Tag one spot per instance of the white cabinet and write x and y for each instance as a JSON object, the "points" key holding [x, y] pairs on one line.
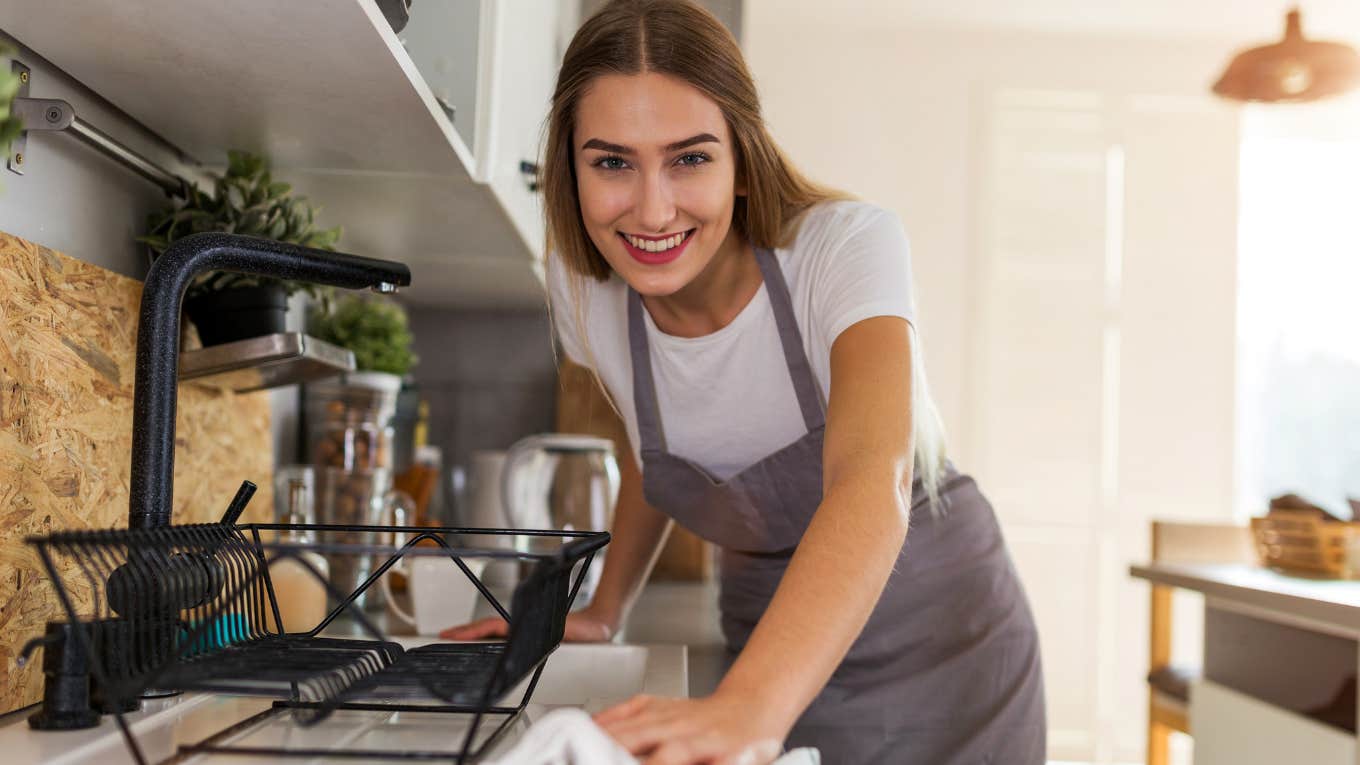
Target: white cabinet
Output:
{"points": [[443, 39], [524, 63], [492, 65], [411, 141], [1232, 728]]}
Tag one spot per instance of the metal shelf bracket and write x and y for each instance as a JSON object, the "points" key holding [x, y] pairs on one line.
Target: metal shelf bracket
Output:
{"points": [[54, 114]]}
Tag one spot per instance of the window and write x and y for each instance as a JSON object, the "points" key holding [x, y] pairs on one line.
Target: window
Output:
{"points": [[1298, 331]]}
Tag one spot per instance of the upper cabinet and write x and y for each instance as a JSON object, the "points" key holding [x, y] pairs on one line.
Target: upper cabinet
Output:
{"points": [[444, 40], [526, 51], [411, 140], [492, 65]]}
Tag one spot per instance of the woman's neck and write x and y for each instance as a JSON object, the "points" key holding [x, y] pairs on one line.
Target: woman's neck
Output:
{"points": [[714, 298]]}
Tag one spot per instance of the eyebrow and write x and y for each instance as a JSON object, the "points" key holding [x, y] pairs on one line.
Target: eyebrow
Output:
{"points": [[615, 148]]}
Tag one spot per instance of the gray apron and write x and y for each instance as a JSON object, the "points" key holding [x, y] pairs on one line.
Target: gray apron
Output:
{"points": [[947, 668]]}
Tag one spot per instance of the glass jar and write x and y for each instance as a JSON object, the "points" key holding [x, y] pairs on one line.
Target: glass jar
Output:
{"points": [[349, 440], [349, 421]]}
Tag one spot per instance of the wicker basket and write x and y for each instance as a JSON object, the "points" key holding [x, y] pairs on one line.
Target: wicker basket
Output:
{"points": [[1301, 542]]}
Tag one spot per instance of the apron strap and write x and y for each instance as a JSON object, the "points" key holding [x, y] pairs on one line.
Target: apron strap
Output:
{"points": [[644, 386], [804, 383]]}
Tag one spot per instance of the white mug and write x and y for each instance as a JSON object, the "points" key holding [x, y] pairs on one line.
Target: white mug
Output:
{"points": [[441, 595]]}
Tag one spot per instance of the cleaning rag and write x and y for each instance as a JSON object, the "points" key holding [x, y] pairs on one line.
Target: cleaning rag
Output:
{"points": [[568, 736]]}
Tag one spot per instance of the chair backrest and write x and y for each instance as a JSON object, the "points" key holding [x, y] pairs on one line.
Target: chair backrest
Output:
{"points": [[1177, 542]]}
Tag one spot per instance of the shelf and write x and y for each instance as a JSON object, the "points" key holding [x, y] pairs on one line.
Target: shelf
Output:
{"points": [[324, 89], [264, 362]]}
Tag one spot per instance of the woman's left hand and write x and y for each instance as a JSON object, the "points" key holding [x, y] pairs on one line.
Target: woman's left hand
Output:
{"points": [[714, 730]]}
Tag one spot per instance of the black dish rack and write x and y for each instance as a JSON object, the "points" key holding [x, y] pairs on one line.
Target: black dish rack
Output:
{"points": [[187, 608]]}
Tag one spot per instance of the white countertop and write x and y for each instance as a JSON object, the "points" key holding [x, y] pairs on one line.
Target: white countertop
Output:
{"points": [[1335, 602], [597, 674]]}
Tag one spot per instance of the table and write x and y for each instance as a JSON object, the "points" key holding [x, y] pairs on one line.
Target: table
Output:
{"points": [[1281, 655]]}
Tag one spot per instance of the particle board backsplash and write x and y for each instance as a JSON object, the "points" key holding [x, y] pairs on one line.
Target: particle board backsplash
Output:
{"points": [[68, 336]]}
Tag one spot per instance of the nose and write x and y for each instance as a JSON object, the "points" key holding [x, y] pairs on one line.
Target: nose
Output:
{"points": [[656, 203]]}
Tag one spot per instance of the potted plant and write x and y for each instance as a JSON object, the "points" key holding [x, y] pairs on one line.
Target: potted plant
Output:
{"points": [[373, 327], [246, 200]]}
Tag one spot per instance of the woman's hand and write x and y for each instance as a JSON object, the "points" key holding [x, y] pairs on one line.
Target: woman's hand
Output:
{"points": [[714, 730], [584, 626]]}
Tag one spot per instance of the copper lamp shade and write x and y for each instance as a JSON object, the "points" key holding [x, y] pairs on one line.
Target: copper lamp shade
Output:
{"points": [[1292, 70]]}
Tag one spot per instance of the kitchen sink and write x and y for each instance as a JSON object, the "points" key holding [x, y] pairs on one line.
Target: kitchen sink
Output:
{"points": [[598, 675]]}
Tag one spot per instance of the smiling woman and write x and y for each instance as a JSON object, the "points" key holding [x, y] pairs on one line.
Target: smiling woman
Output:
{"points": [[631, 188], [755, 332]]}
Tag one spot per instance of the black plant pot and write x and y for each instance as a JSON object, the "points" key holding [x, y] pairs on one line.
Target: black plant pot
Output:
{"points": [[238, 314]]}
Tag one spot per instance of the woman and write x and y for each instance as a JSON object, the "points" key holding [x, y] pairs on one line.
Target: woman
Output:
{"points": [[755, 332]]}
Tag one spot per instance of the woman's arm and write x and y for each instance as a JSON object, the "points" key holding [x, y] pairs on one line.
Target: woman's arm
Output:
{"points": [[832, 583], [852, 543], [639, 531]]}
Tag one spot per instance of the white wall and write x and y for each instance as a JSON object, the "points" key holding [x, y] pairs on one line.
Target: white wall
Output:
{"points": [[1136, 380], [70, 197]]}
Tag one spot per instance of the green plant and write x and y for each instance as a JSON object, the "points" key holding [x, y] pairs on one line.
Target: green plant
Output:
{"points": [[10, 124], [374, 328], [245, 200]]}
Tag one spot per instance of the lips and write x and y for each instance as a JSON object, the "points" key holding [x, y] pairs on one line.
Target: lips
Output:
{"points": [[656, 258]]}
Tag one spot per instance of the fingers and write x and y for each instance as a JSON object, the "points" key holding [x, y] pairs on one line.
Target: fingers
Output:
{"points": [[644, 723], [478, 630], [694, 751], [622, 711], [642, 736]]}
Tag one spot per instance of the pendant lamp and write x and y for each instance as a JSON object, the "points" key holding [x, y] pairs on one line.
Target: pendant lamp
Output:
{"points": [[1292, 70]]}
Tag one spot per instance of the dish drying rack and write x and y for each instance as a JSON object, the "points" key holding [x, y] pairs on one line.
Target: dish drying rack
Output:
{"points": [[187, 608]]}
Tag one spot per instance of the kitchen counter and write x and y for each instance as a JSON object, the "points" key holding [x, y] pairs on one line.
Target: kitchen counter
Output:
{"points": [[1332, 604], [574, 676], [671, 646]]}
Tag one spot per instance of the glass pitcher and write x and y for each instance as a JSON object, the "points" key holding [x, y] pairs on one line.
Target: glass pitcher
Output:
{"points": [[562, 482]]}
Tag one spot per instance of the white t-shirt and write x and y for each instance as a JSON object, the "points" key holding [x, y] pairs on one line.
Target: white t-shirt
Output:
{"points": [[726, 398]]}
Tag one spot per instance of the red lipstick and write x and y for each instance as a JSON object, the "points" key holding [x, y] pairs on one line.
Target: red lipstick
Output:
{"points": [[657, 258]]}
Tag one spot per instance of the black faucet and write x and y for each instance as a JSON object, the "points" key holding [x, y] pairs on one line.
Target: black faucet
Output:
{"points": [[154, 395]]}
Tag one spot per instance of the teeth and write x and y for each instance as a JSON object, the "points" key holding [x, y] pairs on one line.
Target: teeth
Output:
{"points": [[654, 245]]}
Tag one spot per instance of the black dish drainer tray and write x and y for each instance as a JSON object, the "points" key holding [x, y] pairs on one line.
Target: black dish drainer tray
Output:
{"points": [[187, 608]]}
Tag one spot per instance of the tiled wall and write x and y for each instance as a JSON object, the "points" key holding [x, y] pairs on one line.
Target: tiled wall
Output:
{"points": [[489, 377]]}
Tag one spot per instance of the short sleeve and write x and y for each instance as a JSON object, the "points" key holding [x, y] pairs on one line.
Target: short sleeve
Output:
{"points": [[567, 316], [862, 270]]}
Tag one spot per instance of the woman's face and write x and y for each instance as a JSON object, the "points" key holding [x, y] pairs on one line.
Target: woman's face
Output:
{"points": [[656, 176]]}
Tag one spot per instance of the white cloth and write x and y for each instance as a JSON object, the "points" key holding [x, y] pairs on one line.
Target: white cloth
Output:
{"points": [[568, 736], [726, 398]]}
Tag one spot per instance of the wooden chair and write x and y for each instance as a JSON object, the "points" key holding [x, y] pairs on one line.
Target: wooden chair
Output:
{"points": [[1169, 685]]}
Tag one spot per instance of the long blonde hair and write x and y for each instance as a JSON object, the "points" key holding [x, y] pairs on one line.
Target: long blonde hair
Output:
{"points": [[683, 40]]}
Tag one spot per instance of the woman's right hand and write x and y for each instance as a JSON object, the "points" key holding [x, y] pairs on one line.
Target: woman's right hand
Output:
{"points": [[582, 627]]}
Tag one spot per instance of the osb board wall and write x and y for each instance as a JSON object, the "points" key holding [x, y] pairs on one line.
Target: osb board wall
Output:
{"points": [[583, 408], [68, 335]]}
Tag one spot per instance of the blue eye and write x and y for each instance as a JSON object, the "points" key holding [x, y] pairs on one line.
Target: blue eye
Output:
{"points": [[603, 162], [699, 156]]}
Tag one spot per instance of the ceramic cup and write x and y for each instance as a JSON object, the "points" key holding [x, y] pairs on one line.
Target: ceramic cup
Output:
{"points": [[441, 595]]}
